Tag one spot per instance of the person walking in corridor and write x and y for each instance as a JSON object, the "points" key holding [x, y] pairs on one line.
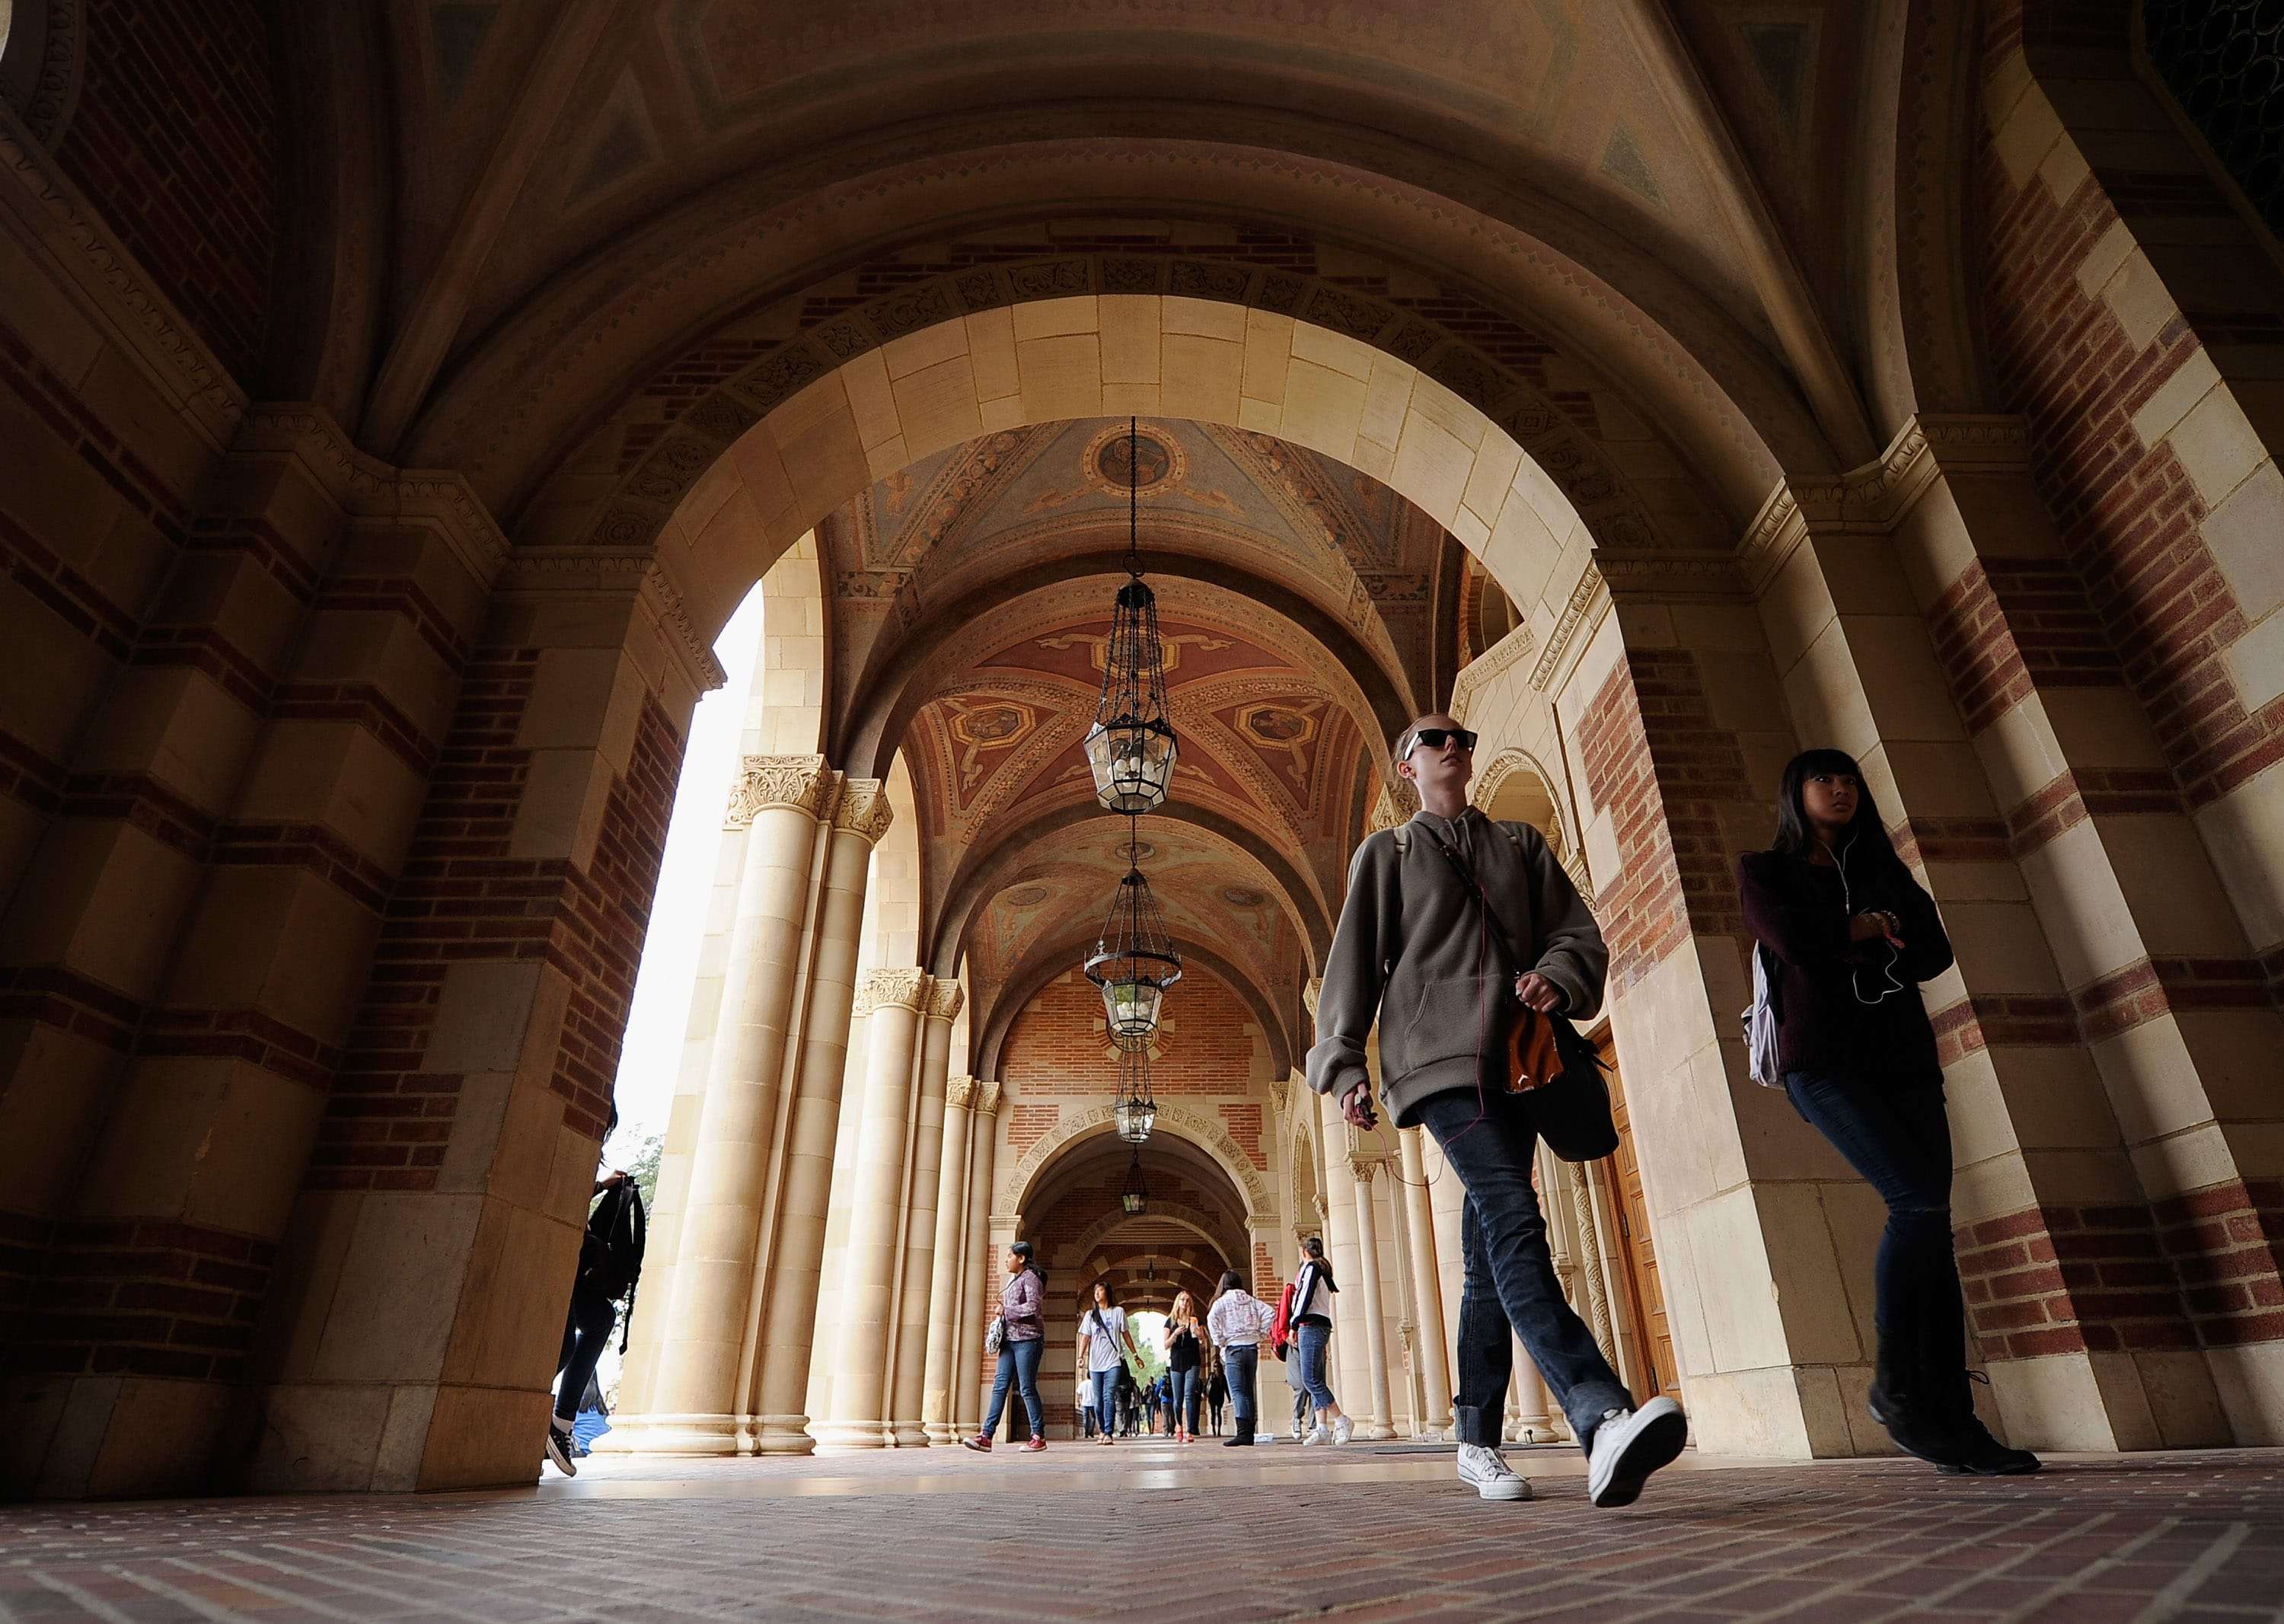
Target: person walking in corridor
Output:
{"points": [[1237, 1323], [1185, 1352], [1452, 925], [1313, 1290], [1104, 1348], [1022, 1339], [1846, 937], [1216, 1395]]}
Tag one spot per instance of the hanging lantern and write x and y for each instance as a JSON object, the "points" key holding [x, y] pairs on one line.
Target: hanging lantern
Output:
{"points": [[1137, 1110], [1131, 747], [1136, 1195], [1133, 962]]}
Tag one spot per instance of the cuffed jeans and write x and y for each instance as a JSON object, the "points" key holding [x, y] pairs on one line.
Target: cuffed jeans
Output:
{"points": [[1508, 1289], [1311, 1343], [1106, 1398], [1186, 1393], [1018, 1360], [1900, 1140], [586, 1332], [1241, 1363]]}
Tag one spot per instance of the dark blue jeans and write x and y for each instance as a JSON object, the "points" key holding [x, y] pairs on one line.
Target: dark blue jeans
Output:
{"points": [[1899, 1139], [1508, 1288], [1186, 1393], [1241, 1363], [1018, 1360]]}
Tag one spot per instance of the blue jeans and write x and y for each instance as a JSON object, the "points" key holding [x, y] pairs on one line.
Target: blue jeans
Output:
{"points": [[1241, 1363], [1106, 1398], [1021, 1362], [1311, 1343], [1507, 1284], [1184, 1400], [1899, 1139]]}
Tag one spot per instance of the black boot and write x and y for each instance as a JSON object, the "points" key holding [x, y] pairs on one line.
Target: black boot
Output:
{"points": [[1243, 1440], [1973, 1452], [1900, 1401]]}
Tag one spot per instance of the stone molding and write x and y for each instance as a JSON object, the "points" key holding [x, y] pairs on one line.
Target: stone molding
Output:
{"points": [[865, 811], [884, 989], [1591, 593], [561, 569], [945, 1000], [1208, 1135], [364, 486], [797, 781], [1495, 661], [45, 90], [1873, 499], [960, 1092], [53, 214]]}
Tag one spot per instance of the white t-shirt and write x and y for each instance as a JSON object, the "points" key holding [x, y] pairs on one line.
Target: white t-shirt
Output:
{"points": [[1105, 1327]]}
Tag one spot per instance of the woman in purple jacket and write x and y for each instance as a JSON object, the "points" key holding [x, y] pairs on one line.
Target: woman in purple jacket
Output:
{"points": [[1022, 1339], [1851, 935]]}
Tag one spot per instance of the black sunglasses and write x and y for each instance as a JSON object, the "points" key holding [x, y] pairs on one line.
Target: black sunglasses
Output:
{"points": [[1434, 738]]}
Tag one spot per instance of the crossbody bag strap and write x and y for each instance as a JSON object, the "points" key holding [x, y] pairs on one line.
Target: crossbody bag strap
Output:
{"points": [[1475, 885]]}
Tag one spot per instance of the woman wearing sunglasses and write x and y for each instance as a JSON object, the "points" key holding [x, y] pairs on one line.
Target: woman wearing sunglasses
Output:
{"points": [[1421, 949]]}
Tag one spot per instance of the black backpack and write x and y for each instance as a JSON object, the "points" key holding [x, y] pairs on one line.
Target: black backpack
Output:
{"points": [[611, 1255]]}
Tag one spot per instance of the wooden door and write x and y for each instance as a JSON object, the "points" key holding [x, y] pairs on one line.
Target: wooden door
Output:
{"points": [[1637, 1257]]}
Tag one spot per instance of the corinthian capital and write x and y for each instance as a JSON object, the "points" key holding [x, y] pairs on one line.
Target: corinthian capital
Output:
{"points": [[944, 1000], [881, 988], [863, 809], [958, 1092], [1310, 990], [987, 1098], [801, 782]]}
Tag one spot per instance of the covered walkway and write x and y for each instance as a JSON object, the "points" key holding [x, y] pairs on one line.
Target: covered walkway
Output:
{"points": [[1192, 1535]]}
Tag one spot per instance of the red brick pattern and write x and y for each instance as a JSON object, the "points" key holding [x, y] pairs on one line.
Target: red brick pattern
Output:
{"points": [[174, 138], [2006, 625], [2129, 517], [1057, 1046], [1655, 759], [138, 1297]]}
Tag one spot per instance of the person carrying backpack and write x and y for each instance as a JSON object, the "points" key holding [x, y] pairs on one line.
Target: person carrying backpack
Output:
{"points": [[1458, 934], [610, 1263]]}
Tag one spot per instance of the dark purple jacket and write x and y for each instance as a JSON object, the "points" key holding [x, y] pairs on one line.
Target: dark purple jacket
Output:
{"points": [[1820, 980]]}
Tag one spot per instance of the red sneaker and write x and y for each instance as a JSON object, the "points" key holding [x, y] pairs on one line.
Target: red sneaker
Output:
{"points": [[1036, 1444], [979, 1443]]}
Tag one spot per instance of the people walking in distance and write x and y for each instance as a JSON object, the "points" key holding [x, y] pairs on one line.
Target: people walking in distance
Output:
{"points": [[1237, 1323], [1313, 1291], [1152, 1404], [1104, 1346], [1216, 1395], [1453, 924], [610, 1263], [1021, 1332], [1185, 1352], [1085, 1406], [1846, 936]]}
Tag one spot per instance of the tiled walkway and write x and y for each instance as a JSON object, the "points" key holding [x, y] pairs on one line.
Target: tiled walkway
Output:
{"points": [[1189, 1535]]}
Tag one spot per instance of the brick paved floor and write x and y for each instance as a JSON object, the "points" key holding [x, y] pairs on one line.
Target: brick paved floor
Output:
{"points": [[1202, 1534]]}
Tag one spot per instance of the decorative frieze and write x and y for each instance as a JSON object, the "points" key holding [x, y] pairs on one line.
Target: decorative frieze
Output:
{"points": [[800, 782], [1484, 668], [878, 989]]}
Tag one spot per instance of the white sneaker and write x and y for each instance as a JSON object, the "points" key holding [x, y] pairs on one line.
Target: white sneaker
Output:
{"points": [[1341, 1429], [1488, 1470], [1316, 1435], [558, 1451], [1629, 1446]]}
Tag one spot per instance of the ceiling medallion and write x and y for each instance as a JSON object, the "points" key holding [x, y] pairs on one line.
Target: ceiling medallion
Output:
{"points": [[1133, 462]]}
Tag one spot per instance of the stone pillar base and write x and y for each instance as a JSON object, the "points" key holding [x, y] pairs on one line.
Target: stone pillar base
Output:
{"points": [[940, 1433], [910, 1435], [674, 1435], [1374, 1431], [782, 1435], [849, 1437]]}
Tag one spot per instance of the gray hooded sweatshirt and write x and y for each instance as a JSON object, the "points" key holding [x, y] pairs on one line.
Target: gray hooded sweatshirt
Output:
{"points": [[1412, 953]]}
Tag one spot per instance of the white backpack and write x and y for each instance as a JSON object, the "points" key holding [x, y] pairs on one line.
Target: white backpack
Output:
{"points": [[1760, 1061]]}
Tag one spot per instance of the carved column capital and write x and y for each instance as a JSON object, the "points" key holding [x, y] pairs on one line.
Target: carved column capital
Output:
{"points": [[945, 999], [959, 1093], [1362, 1167], [1311, 991], [987, 1098], [885, 988], [801, 782], [864, 810]]}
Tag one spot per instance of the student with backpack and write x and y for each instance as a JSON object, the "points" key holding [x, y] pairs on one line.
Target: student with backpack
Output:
{"points": [[610, 1263], [1458, 936], [1844, 938]]}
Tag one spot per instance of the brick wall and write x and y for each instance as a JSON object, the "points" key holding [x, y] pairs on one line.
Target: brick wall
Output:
{"points": [[174, 140]]}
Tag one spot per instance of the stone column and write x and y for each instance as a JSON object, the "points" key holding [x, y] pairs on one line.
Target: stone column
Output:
{"points": [[697, 1407], [1374, 1424], [1431, 1347], [892, 1001], [1534, 1423], [1349, 1374], [937, 1412], [926, 1208], [978, 1295], [789, 1304]]}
